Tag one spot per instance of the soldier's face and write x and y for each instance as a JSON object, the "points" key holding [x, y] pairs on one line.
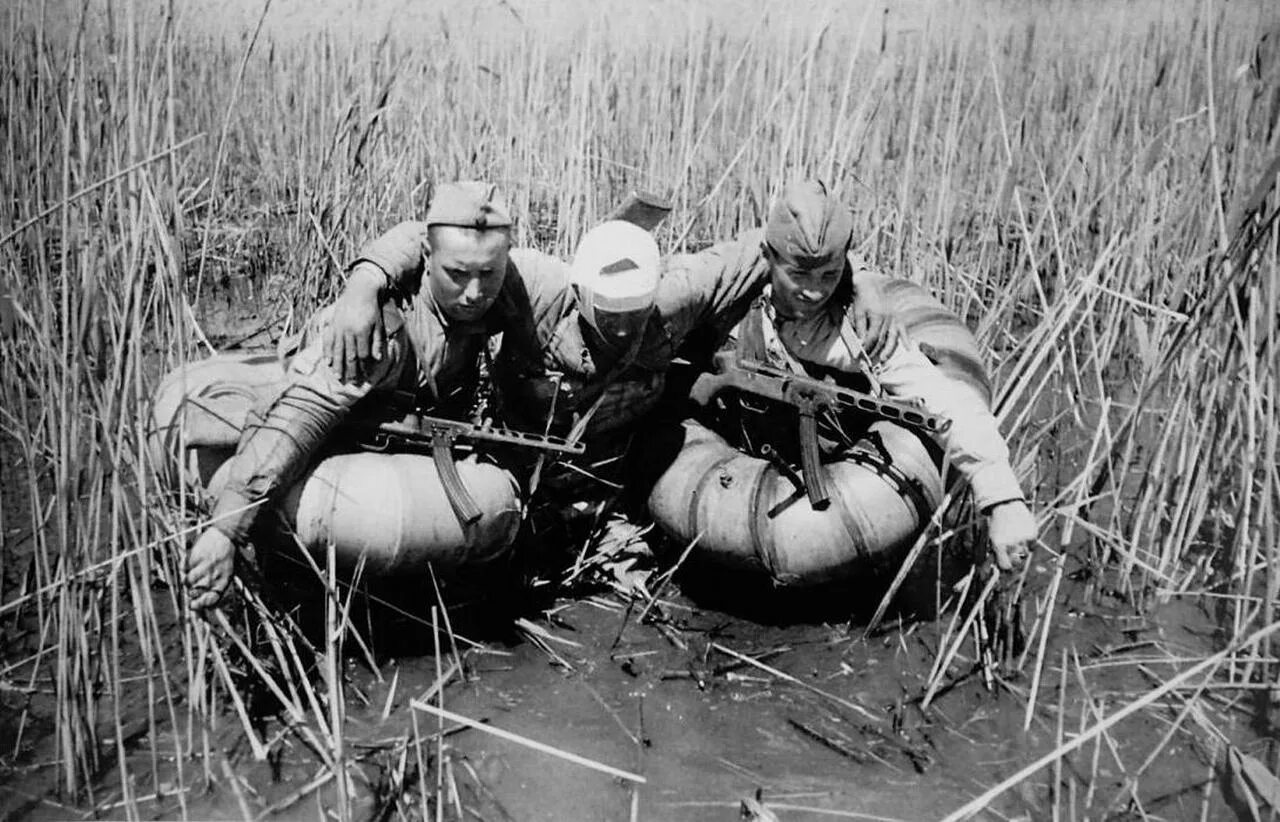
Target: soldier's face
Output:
{"points": [[465, 269], [800, 292], [619, 328]]}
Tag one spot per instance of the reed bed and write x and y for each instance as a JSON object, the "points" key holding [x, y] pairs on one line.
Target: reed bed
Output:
{"points": [[1092, 186]]}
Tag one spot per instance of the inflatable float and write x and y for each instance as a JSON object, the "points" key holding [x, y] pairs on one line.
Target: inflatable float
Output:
{"points": [[389, 508], [747, 512]]}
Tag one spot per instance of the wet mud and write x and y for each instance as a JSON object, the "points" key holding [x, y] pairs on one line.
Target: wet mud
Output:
{"points": [[710, 695]]}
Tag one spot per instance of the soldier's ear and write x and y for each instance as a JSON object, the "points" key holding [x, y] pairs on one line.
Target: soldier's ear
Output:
{"points": [[428, 240]]}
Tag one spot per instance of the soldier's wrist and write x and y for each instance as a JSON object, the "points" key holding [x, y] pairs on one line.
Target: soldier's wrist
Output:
{"points": [[368, 277], [990, 508]]}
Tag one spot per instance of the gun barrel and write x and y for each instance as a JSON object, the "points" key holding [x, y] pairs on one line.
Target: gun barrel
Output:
{"points": [[505, 436], [904, 413], [775, 383], [422, 431]]}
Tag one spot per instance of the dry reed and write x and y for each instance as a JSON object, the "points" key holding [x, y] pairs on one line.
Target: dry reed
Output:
{"points": [[1101, 203]]}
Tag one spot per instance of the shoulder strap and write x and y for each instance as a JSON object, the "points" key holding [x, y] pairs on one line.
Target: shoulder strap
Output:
{"points": [[774, 350]]}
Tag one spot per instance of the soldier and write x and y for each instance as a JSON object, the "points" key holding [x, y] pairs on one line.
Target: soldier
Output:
{"points": [[607, 331], [464, 283], [809, 305], [802, 321]]}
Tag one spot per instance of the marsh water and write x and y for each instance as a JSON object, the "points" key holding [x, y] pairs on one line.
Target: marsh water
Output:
{"points": [[828, 723]]}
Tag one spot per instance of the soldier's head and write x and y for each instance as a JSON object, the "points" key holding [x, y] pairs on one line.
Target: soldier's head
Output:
{"points": [[615, 271], [469, 237], [806, 241]]}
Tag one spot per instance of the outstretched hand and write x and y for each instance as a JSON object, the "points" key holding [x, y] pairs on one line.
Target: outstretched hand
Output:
{"points": [[355, 337], [209, 567], [1011, 528]]}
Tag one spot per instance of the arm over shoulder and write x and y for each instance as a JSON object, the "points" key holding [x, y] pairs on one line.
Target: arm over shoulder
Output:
{"points": [[711, 290], [544, 282], [400, 253]]}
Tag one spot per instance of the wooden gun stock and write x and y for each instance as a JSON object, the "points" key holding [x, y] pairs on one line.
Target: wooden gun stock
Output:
{"points": [[642, 208]]}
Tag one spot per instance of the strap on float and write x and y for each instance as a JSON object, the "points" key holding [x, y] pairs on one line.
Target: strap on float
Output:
{"points": [[882, 463]]}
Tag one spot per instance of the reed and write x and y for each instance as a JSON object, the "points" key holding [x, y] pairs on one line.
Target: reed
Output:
{"points": [[1101, 204]]}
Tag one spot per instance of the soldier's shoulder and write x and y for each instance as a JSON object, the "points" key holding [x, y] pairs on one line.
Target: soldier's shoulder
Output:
{"points": [[530, 262], [411, 230], [739, 252]]}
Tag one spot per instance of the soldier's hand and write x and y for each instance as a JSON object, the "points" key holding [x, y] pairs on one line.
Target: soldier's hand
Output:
{"points": [[1011, 528], [355, 334], [877, 328], [209, 566]]}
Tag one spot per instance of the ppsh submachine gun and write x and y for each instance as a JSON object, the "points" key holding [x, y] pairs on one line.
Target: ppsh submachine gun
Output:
{"points": [[811, 398], [418, 432]]}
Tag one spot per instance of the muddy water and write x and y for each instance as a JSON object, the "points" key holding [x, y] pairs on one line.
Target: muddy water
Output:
{"points": [[662, 700], [665, 700], [707, 735]]}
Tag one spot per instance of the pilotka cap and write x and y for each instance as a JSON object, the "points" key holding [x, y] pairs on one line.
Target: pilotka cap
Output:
{"points": [[471, 204], [808, 226]]}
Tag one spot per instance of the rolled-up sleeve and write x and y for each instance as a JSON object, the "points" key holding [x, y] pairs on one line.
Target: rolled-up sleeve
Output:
{"points": [[972, 441], [279, 442]]}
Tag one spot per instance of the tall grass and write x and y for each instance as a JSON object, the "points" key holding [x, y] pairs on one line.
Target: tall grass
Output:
{"points": [[1090, 185]]}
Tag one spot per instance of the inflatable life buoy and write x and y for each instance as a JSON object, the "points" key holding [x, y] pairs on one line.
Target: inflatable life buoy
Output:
{"points": [[388, 508], [747, 513]]}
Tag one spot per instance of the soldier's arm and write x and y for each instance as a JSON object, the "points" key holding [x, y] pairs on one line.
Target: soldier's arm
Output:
{"points": [[973, 443], [538, 287], [535, 300], [389, 266], [274, 450], [702, 296]]}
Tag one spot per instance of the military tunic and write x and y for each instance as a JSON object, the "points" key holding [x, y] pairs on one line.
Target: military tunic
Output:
{"points": [[576, 372], [429, 355], [827, 343], [703, 299]]}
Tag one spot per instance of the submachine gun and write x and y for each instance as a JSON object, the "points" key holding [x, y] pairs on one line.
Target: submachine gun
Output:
{"points": [[417, 432], [811, 398]]}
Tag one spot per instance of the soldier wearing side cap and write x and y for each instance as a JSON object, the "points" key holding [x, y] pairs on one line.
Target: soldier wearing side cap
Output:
{"points": [[804, 282], [790, 294], [599, 352], [461, 284], [607, 328]]}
